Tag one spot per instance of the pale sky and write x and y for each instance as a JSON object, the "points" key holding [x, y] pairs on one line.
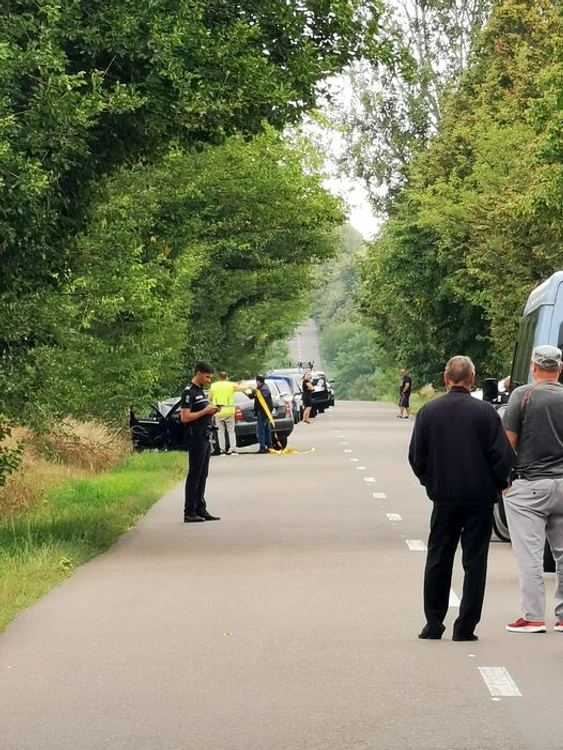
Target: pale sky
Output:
{"points": [[360, 214], [330, 140]]}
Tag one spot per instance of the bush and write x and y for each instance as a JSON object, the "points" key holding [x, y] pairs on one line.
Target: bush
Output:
{"points": [[10, 452]]}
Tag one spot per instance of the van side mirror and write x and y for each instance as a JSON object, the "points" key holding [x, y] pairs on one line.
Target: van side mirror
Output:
{"points": [[490, 390]]}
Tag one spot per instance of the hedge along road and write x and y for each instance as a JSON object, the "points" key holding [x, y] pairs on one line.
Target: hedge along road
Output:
{"points": [[291, 623]]}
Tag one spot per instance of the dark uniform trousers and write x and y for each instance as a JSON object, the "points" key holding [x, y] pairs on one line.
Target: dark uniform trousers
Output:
{"points": [[199, 452], [472, 524]]}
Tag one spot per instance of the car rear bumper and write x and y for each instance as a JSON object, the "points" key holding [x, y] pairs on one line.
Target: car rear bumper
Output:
{"points": [[246, 431]]}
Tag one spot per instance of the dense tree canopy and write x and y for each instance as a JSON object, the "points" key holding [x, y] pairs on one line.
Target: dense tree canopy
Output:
{"points": [[86, 85], [144, 220], [206, 254]]}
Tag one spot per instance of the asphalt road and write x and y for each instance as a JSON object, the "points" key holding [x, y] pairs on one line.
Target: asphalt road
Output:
{"points": [[290, 624], [304, 346]]}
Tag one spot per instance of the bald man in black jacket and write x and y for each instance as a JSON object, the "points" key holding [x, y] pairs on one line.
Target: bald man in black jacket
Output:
{"points": [[460, 453]]}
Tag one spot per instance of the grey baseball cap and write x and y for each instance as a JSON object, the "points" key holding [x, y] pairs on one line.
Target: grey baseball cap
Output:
{"points": [[547, 357]]}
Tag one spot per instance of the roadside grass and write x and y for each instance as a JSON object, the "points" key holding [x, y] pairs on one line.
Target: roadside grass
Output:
{"points": [[416, 402], [75, 520]]}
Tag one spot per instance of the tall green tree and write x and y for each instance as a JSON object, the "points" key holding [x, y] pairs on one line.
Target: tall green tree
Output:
{"points": [[87, 87], [477, 226], [396, 104]]}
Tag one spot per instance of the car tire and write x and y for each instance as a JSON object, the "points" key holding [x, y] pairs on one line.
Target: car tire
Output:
{"points": [[500, 524], [214, 443]]}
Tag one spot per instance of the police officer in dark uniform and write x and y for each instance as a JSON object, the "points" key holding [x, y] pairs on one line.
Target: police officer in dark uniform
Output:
{"points": [[196, 412]]}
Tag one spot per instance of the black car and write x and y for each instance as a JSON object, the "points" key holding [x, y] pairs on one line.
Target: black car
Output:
{"points": [[161, 429]]}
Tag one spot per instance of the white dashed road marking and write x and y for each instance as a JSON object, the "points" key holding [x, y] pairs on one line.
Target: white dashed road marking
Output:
{"points": [[394, 517], [354, 459], [499, 682], [369, 480], [361, 468], [416, 545], [347, 450], [380, 495]]}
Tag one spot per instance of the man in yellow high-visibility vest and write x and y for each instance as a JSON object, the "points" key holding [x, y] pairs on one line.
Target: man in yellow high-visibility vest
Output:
{"points": [[222, 393]]}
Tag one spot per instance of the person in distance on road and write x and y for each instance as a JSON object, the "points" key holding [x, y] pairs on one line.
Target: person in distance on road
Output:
{"points": [[460, 453], [534, 504], [307, 396], [196, 413], [404, 395]]}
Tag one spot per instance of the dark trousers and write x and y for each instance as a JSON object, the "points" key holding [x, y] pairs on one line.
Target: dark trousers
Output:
{"points": [[263, 432], [199, 451], [472, 524]]}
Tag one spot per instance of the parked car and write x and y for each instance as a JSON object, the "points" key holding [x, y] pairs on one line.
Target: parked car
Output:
{"points": [[322, 396], [162, 429], [291, 382], [245, 419]]}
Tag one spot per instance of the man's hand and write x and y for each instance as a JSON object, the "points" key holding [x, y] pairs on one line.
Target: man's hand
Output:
{"points": [[211, 409]]}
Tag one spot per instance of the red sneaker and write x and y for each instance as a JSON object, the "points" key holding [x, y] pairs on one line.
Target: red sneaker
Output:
{"points": [[558, 626], [527, 626]]}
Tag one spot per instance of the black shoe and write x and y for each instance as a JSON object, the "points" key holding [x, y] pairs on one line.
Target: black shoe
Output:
{"points": [[193, 519], [463, 637], [208, 517], [431, 635]]}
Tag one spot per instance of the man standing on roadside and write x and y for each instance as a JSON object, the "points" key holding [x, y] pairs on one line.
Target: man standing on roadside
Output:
{"points": [[461, 455], [404, 395], [263, 432], [222, 394], [534, 504], [196, 412]]}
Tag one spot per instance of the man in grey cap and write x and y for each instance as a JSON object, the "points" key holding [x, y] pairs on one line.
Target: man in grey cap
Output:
{"points": [[534, 504]]}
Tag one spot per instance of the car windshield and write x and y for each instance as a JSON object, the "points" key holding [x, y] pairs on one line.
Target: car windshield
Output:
{"points": [[282, 387]]}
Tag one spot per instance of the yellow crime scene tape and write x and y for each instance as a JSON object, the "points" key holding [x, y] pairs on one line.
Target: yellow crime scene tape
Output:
{"points": [[280, 451]]}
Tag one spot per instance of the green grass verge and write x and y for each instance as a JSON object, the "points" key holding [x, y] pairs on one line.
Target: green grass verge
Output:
{"points": [[77, 520]]}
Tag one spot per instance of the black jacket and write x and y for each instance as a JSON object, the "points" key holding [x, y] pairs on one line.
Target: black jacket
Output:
{"points": [[265, 391], [459, 450]]}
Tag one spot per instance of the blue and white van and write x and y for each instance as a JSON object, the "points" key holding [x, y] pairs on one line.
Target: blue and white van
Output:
{"points": [[541, 323]]}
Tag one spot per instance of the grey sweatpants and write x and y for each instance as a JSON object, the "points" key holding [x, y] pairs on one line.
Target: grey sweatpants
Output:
{"points": [[534, 510], [229, 423]]}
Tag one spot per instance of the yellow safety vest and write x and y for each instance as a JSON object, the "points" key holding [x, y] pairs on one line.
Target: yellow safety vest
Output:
{"points": [[222, 393]]}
